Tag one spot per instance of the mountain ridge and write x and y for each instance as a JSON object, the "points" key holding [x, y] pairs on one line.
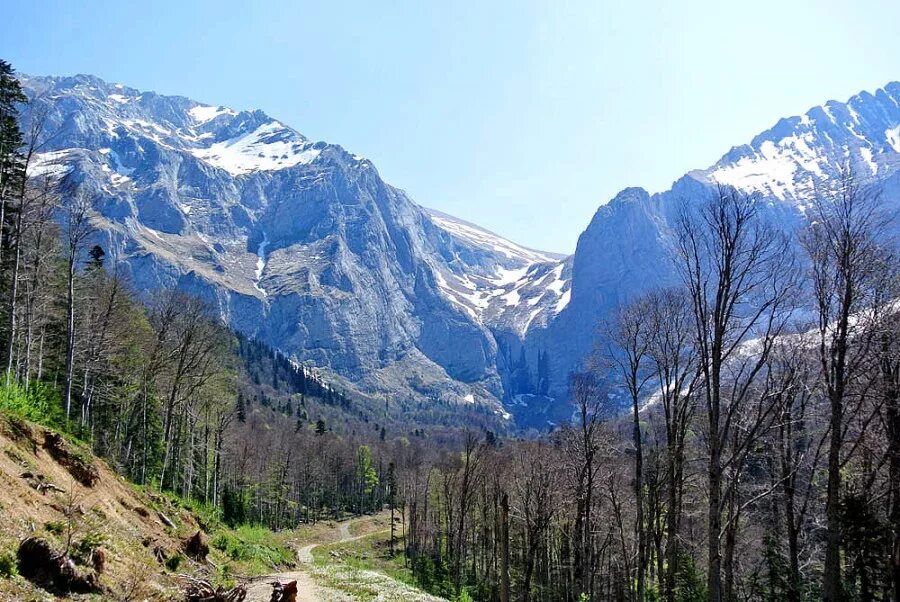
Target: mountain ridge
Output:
{"points": [[303, 245]]}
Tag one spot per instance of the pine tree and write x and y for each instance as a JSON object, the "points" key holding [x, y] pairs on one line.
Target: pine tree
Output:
{"points": [[543, 373], [241, 409], [12, 179], [97, 255]]}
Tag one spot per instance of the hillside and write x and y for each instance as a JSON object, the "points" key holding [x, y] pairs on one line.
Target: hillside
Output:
{"points": [[142, 534], [40, 497]]}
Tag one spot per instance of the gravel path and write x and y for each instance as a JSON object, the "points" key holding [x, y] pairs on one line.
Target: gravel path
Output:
{"points": [[260, 589]]}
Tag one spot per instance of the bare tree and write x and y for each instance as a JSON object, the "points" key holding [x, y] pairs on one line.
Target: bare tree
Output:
{"points": [[843, 246], [581, 445], [191, 346], [672, 355], [630, 338], [76, 209], [739, 273], [535, 503]]}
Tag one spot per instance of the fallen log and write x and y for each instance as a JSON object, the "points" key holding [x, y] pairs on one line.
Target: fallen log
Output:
{"points": [[200, 590]]}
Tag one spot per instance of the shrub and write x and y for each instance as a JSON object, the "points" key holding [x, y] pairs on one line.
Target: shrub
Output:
{"points": [[56, 527], [173, 562], [86, 546], [254, 544], [38, 402], [8, 566]]}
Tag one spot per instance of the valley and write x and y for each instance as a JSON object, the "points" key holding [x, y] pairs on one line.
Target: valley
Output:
{"points": [[241, 366]]}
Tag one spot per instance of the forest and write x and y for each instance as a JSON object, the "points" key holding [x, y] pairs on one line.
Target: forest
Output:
{"points": [[758, 456]]}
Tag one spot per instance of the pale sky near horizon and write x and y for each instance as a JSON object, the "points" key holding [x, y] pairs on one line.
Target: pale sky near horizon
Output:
{"points": [[521, 116]]}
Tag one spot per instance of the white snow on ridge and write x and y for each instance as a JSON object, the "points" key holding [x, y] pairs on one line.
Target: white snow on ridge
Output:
{"points": [[774, 169], [513, 287], [269, 147], [203, 113], [53, 163], [485, 239]]}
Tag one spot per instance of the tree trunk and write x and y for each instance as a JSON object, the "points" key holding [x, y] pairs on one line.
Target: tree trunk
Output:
{"points": [[70, 333], [504, 548]]}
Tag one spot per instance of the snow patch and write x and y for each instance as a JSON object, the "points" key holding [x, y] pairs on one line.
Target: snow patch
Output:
{"points": [[52, 163], [893, 137], [203, 113], [485, 239], [563, 300], [868, 158], [269, 147], [261, 263]]}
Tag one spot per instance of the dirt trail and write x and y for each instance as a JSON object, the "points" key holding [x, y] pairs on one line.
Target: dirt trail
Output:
{"points": [[260, 590]]}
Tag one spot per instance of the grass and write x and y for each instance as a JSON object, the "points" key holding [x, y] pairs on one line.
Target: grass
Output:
{"points": [[252, 550], [8, 565], [369, 553]]}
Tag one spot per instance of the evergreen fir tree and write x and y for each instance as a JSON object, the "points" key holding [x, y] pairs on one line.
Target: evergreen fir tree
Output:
{"points": [[241, 409], [97, 255]]}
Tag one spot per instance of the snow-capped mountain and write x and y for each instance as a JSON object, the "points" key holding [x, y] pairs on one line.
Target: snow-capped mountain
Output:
{"points": [[626, 248], [298, 243], [788, 160], [301, 244]]}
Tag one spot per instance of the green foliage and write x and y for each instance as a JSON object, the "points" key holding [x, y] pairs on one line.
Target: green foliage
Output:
{"points": [[463, 596], [223, 577], [85, 547], [432, 576], [8, 567], [867, 541], [209, 517], [690, 585], [258, 546], [366, 471], [173, 562], [38, 402], [56, 527], [235, 506]]}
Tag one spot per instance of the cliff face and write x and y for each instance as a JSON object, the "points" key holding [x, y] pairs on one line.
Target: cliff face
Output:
{"points": [[298, 243]]}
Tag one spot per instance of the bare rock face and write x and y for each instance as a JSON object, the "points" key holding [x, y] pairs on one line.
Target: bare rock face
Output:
{"points": [[297, 243]]}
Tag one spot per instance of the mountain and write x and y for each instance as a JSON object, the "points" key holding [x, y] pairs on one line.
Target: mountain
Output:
{"points": [[302, 245], [626, 247], [297, 243]]}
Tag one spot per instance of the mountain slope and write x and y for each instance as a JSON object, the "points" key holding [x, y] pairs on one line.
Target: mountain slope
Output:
{"points": [[626, 248], [302, 245]]}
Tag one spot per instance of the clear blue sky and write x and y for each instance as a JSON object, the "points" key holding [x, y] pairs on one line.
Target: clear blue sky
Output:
{"points": [[521, 116]]}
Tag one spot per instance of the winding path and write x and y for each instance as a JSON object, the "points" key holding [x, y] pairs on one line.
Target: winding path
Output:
{"points": [[260, 589]]}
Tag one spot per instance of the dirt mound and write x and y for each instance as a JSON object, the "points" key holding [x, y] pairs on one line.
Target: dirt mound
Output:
{"points": [[55, 571], [196, 547], [79, 467]]}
